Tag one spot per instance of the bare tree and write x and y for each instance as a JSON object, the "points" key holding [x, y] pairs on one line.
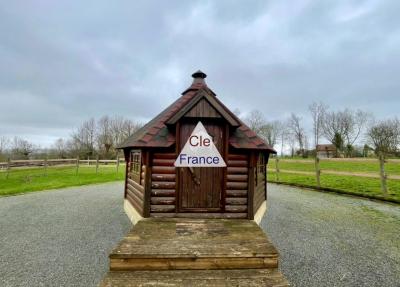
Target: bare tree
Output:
{"points": [[4, 144], [317, 111], [385, 139], [84, 138], [297, 131], [104, 135], [60, 148], [256, 121], [270, 132], [343, 128], [283, 134], [21, 148]]}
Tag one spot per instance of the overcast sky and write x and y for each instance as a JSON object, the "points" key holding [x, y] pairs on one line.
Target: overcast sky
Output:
{"points": [[62, 62]]}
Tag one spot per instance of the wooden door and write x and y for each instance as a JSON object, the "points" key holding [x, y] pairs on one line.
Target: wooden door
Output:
{"points": [[200, 188]]}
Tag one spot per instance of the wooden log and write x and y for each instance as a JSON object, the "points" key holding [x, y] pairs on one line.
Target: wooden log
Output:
{"points": [[162, 208], [164, 156], [163, 162], [237, 177], [317, 172], [142, 182], [163, 177], [162, 200], [163, 192], [163, 169], [135, 198], [236, 193], [236, 185], [139, 194], [163, 184], [136, 185], [138, 206], [235, 201], [237, 170], [237, 163], [236, 208], [237, 157]]}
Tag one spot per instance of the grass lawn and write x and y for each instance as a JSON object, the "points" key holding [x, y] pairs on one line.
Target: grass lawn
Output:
{"points": [[348, 184], [392, 168], [34, 179]]}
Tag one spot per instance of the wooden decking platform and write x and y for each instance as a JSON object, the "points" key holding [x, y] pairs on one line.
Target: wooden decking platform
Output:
{"points": [[194, 252]]}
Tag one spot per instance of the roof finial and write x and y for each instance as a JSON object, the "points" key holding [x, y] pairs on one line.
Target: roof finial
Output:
{"points": [[199, 74]]}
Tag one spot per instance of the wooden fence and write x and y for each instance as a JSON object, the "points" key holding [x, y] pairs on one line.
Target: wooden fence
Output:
{"points": [[380, 173], [45, 163]]}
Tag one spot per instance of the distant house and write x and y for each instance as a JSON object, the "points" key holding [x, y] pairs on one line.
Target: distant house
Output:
{"points": [[326, 150]]}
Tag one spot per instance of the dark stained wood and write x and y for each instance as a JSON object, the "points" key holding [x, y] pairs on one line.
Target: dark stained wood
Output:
{"points": [[162, 177], [163, 169], [202, 109], [163, 200], [237, 177], [236, 208], [237, 163], [163, 162], [269, 277], [162, 208], [237, 185], [238, 157], [201, 188], [138, 193], [164, 156], [236, 201], [236, 193], [250, 195], [237, 170], [163, 184], [136, 185], [135, 203], [147, 185], [163, 192]]}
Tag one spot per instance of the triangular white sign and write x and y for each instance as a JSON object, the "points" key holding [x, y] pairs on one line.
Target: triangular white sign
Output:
{"points": [[200, 151]]}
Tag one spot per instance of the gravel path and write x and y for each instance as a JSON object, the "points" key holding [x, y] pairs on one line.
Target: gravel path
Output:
{"points": [[326, 239], [63, 237]]}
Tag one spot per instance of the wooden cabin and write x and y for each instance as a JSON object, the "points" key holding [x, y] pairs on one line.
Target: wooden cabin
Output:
{"points": [[155, 188]]}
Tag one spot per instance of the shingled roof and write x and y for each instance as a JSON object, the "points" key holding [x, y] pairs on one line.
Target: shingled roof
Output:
{"points": [[156, 133]]}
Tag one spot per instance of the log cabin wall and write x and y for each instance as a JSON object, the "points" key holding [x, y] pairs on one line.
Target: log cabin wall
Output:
{"points": [[163, 184], [259, 183], [237, 185], [135, 190]]}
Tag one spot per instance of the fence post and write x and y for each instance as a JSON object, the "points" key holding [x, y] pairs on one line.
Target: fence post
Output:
{"points": [[117, 163], [383, 175], [77, 164], [97, 164], [45, 166], [8, 167], [317, 172], [277, 168]]}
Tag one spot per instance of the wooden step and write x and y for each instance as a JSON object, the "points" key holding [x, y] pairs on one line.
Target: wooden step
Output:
{"points": [[181, 243], [196, 278]]}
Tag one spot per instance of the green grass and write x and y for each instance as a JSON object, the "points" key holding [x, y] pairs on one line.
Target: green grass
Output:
{"points": [[35, 179], [369, 187], [392, 168]]}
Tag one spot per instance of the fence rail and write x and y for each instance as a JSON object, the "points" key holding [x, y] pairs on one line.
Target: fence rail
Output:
{"points": [[317, 172], [54, 162]]}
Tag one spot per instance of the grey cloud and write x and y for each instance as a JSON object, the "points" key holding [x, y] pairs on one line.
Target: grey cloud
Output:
{"points": [[62, 62]]}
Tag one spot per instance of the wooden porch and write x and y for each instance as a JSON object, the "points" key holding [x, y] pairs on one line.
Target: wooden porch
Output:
{"points": [[194, 252]]}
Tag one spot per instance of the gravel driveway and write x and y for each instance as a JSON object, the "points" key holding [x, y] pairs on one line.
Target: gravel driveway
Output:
{"points": [[326, 239], [63, 237]]}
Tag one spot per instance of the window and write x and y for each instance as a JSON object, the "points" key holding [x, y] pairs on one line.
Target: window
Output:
{"points": [[260, 176], [135, 166]]}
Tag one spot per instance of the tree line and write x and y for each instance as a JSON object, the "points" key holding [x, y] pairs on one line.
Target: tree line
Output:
{"points": [[92, 139], [352, 132]]}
